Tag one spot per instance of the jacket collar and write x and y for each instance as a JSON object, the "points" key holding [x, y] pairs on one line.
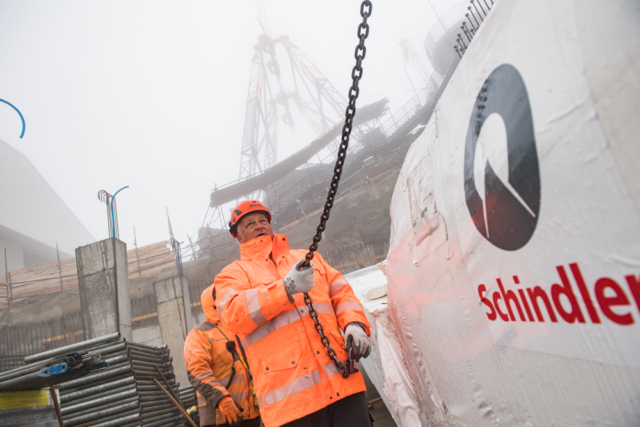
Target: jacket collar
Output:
{"points": [[261, 247]]}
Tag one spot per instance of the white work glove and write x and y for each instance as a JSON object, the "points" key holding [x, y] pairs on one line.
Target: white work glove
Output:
{"points": [[299, 281], [356, 337]]}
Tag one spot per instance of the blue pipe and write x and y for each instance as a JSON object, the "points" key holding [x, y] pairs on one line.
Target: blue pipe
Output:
{"points": [[21, 118], [113, 222]]}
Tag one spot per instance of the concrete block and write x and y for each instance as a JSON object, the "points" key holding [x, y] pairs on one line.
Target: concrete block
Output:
{"points": [[168, 289], [96, 257], [103, 284]]}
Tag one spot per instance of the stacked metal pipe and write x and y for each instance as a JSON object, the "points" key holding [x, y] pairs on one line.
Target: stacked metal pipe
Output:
{"points": [[188, 397], [190, 402], [157, 409], [108, 398], [122, 395]]}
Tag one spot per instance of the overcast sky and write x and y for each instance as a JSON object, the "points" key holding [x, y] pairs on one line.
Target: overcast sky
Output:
{"points": [[151, 94]]}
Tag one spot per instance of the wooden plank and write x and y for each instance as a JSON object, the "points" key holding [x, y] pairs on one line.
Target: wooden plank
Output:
{"points": [[71, 261], [149, 248], [144, 264], [154, 260], [153, 248], [42, 274], [36, 289], [45, 279], [42, 267], [157, 269], [152, 255], [18, 285], [41, 291], [36, 268], [50, 287], [45, 271], [54, 272], [150, 271], [133, 268], [43, 283]]}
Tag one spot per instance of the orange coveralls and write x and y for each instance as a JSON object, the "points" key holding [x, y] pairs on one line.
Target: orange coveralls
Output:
{"points": [[209, 367], [292, 372]]}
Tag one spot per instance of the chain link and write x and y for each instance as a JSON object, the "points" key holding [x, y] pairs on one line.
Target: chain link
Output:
{"points": [[356, 74]]}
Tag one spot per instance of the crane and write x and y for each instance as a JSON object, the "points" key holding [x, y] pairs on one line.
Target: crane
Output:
{"points": [[313, 95]]}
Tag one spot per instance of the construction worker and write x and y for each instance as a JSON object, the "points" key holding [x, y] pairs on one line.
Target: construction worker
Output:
{"points": [[260, 298], [215, 369]]}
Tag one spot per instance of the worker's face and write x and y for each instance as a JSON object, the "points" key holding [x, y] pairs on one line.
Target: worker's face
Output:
{"points": [[252, 226]]}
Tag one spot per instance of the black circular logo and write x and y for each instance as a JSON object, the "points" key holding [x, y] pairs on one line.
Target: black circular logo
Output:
{"points": [[507, 213]]}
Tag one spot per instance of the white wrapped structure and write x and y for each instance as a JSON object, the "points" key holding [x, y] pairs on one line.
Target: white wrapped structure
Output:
{"points": [[514, 265]]}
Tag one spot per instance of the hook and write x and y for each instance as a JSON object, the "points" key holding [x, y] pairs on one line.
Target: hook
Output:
{"points": [[103, 196]]}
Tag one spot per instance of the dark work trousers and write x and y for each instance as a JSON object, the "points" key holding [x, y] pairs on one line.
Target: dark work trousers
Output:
{"points": [[247, 423], [349, 412]]}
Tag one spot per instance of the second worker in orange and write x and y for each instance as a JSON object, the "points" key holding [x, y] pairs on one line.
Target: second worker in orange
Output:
{"points": [[260, 298]]}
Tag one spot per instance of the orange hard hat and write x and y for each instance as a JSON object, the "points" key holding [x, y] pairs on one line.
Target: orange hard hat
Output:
{"points": [[244, 208]]}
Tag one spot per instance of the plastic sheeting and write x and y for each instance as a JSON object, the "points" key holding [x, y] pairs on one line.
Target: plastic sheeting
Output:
{"points": [[385, 366], [514, 286]]}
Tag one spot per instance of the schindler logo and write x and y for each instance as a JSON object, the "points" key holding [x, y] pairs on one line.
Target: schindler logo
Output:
{"points": [[501, 172]]}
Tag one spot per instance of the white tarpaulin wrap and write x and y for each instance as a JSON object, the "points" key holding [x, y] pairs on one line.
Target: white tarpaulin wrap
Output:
{"points": [[386, 365], [514, 266]]}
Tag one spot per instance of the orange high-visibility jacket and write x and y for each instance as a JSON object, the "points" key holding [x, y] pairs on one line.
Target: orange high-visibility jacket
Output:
{"points": [[209, 367], [292, 373]]}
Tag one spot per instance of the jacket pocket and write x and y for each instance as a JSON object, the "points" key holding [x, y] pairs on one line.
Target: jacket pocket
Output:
{"points": [[281, 356]]}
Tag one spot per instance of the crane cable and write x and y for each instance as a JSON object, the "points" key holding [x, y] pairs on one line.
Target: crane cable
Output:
{"points": [[356, 74]]}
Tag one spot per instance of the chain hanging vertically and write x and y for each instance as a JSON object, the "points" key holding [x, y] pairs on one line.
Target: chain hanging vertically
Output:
{"points": [[356, 74]]}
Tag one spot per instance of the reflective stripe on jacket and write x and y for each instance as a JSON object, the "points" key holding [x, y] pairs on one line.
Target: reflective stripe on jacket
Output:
{"points": [[209, 367], [292, 372]]}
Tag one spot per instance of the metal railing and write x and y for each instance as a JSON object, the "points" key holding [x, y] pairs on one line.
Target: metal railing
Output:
{"points": [[396, 120], [17, 341], [481, 8]]}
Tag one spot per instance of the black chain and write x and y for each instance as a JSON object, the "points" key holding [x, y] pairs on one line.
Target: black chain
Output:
{"points": [[363, 32]]}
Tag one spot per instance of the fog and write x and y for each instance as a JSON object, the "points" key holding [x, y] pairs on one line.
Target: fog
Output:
{"points": [[152, 94]]}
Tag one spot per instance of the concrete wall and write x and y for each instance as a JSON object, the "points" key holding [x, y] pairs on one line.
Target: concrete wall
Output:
{"points": [[148, 335], [200, 319], [172, 298], [104, 288]]}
